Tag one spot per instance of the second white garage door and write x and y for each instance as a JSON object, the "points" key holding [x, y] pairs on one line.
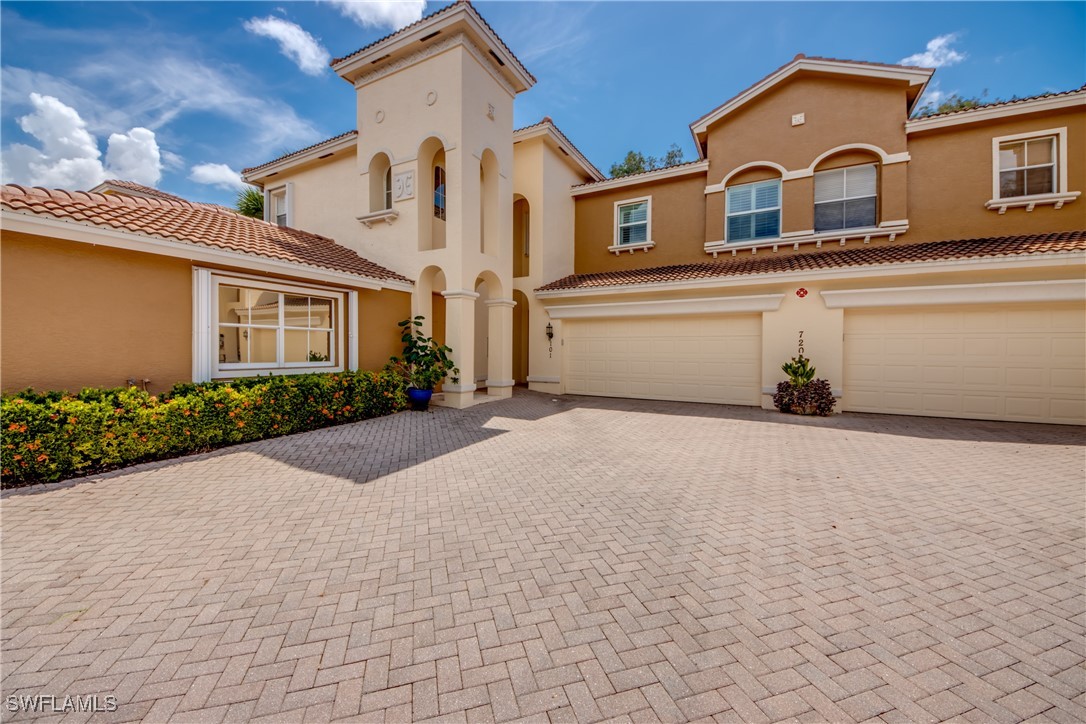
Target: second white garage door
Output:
{"points": [[1006, 362], [693, 359]]}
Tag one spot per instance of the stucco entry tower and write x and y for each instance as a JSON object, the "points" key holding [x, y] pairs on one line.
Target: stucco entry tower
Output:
{"points": [[435, 154]]}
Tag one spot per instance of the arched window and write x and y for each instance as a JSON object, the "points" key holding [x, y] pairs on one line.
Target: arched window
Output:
{"points": [[380, 183], [439, 193]]}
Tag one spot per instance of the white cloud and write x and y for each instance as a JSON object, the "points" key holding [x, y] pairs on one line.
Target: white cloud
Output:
{"points": [[393, 14], [217, 174], [68, 155], [937, 54], [135, 157], [295, 43], [170, 85]]}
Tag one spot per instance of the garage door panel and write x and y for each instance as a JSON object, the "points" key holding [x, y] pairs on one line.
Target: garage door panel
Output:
{"points": [[1008, 362], [947, 375], [981, 406], [982, 346], [700, 358]]}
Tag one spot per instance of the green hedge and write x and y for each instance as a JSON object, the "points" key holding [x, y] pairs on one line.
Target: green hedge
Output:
{"points": [[53, 436]]}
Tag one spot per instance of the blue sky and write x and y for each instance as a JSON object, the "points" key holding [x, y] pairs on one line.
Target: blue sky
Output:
{"points": [[184, 94]]}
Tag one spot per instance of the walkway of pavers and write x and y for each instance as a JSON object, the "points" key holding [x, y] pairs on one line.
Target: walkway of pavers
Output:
{"points": [[572, 559]]}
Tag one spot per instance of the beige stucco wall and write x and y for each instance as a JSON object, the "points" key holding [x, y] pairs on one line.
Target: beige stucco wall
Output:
{"points": [[327, 195], [75, 315], [941, 191], [951, 172], [837, 111], [678, 222], [378, 336], [543, 176]]}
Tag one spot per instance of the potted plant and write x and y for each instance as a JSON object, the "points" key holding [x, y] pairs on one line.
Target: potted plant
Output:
{"points": [[802, 394], [424, 363]]}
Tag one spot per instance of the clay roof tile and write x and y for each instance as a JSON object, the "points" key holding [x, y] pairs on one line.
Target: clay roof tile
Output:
{"points": [[193, 223], [1002, 246]]}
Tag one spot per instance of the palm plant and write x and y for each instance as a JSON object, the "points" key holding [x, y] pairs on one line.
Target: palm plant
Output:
{"points": [[250, 202]]}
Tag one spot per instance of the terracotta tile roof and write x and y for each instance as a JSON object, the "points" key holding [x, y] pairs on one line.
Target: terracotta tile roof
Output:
{"points": [[548, 121], [192, 223], [859, 62], [994, 104], [641, 173], [300, 151], [862, 256], [140, 189], [427, 18]]}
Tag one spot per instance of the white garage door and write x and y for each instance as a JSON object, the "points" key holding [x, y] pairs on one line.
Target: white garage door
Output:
{"points": [[695, 359], [1013, 362]]}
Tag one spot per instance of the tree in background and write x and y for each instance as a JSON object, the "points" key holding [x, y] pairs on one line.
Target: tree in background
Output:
{"points": [[957, 102], [637, 162], [250, 202]]}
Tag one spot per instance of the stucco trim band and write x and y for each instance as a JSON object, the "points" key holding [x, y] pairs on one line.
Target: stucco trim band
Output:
{"points": [[1055, 259], [669, 307], [1067, 290]]}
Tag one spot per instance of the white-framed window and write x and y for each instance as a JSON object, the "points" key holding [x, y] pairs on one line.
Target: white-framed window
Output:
{"points": [[633, 222], [1027, 167], [388, 188], [264, 326], [1032, 167], [278, 205], [753, 211], [846, 198]]}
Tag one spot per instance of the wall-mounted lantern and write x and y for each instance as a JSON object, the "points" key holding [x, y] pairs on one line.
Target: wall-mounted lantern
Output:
{"points": [[550, 331]]}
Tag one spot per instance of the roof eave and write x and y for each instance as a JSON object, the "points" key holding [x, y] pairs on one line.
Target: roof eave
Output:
{"points": [[1010, 261], [351, 67], [78, 231], [995, 111], [685, 169], [255, 175], [558, 139]]}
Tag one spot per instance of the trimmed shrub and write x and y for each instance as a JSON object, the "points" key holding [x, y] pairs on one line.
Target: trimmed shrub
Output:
{"points": [[802, 394], [52, 435], [813, 398]]}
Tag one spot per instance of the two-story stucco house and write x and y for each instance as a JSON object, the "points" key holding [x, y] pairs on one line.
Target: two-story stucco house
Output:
{"points": [[930, 266]]}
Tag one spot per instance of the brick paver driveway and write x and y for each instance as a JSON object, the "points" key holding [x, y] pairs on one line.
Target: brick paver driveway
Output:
{"points": [[574, 559]]}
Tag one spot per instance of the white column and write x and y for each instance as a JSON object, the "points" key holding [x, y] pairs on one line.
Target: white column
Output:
{"points": [[460, 336], [202, 333], [499, 369]]}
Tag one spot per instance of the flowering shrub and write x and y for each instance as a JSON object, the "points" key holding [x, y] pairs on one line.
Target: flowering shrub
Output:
{"points": [[51, 436]]}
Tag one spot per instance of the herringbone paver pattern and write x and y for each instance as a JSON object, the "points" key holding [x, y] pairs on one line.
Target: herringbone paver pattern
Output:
{"points": [[566, 560]]}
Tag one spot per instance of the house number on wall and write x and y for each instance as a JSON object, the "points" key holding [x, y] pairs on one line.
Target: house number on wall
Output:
{"points": [[403, 186], [801, 341]]}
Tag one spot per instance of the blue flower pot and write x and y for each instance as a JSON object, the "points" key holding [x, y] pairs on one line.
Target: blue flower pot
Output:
{"points": [[420, 399]]}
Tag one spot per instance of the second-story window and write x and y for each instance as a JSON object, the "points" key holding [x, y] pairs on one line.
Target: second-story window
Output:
{"points": [[632, 222], [1027, 167], [754, 211], [388, 188], [279, 203], [846, 198], [439, 193]]}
